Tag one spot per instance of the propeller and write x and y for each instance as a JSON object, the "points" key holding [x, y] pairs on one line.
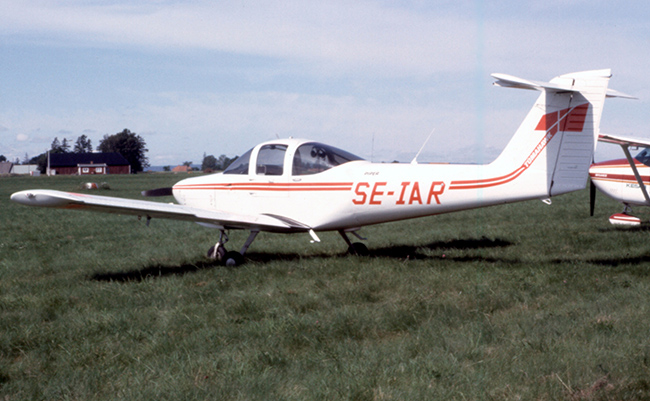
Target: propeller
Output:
{"points": [[158, 192], [592, 197]]}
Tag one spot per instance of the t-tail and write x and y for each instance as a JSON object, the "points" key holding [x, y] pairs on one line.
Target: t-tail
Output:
{"points": [[552, 150]]}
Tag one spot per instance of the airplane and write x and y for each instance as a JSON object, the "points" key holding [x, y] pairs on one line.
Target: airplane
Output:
{"points": [[303, 186], [624, 180]]}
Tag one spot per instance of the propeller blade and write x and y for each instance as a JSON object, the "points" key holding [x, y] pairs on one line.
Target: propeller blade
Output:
{"points": [[592, 197], [158, 192]]}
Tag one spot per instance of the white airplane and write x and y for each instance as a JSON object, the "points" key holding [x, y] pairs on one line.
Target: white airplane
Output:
{"points": [[297, 185], [624, 180]]}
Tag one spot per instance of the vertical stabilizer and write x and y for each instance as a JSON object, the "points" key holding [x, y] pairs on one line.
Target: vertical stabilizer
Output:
{"points": [[555, 143]]}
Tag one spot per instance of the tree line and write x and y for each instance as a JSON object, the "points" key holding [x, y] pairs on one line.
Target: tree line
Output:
{"points": [[211, 163], [129, 144]]}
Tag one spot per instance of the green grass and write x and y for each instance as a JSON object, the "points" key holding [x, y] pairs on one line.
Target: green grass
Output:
{"points": [[523, 301]]}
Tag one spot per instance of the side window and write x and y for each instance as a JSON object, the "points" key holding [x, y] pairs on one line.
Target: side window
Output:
{"points": [[240, 166], [270, 160]]}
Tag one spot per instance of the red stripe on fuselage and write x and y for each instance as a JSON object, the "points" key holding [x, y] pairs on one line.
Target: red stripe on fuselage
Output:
{"points": [[269, 186], [624, 178]]}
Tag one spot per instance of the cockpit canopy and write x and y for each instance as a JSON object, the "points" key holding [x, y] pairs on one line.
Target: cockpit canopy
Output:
{"points": [[644, 156], [305, 158]]}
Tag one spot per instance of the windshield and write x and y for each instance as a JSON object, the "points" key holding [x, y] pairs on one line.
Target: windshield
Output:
{"points": [[313, 158], [240, 166], [644, 156]]}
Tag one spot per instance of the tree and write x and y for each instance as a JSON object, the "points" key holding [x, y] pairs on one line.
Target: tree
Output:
{"points": [[83, 145], [130, 145], [224, 161], [65, 146], [209, 163], [41, 161], [3, 158], [56, 146]]}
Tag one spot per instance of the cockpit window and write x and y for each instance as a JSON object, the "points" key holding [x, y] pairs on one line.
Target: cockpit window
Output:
{"points": [[313, 158], [270, 160], [644, 156], [240, 166]]}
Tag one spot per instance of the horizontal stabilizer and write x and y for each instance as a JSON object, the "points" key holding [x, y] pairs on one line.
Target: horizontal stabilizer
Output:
{"points": [[509, 81], [563, 83]]}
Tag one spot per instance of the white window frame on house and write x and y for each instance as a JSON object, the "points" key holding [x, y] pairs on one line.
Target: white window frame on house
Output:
{"points": [[92, 168]]}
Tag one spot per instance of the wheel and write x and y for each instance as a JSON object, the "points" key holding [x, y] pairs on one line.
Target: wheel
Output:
{"points": [[221, 251], [359, 249], [233, 259]]}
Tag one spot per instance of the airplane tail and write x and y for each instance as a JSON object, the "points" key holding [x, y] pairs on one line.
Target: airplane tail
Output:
{"points": [[552, 150]]}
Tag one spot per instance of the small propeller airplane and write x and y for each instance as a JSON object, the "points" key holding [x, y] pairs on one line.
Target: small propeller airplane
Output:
{"points": [[624, 180], [297, 185]]}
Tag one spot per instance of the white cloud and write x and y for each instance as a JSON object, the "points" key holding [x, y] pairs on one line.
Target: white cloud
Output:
{"points": [[22, 137]]}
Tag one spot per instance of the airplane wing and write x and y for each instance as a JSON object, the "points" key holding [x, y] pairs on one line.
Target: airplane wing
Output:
{"points": [[149, 209], [623, 141]]}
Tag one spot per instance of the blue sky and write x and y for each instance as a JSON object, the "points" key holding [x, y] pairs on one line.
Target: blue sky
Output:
{"points": [[372, 77]]}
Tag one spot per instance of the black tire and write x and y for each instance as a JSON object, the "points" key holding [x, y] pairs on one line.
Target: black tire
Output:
{"points": [[359, 249], [233, 259]]}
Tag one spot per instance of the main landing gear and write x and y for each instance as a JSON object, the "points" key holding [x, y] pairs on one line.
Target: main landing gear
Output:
{"points": [[234, 258], [355, 248], [230, 258]]}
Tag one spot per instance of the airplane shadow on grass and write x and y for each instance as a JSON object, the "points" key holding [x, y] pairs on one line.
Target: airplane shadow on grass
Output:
{"points": [[400, 252], [155, 271]]}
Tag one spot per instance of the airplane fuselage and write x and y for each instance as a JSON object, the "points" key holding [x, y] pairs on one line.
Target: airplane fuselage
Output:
{"points": [[355, 193], [616, 179]]}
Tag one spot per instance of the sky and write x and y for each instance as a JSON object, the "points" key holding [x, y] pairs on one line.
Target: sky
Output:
{"points": [[375, 78]]}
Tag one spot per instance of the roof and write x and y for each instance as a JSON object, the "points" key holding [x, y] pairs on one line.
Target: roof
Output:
{"points": [[5, 167], [73, 159], [181, 169]]}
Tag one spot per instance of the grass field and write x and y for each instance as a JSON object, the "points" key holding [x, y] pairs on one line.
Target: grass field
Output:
{"points": [[516, 302]]}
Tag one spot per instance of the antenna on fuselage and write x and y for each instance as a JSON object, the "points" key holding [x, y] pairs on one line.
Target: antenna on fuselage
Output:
{"points": [[415, 159]]}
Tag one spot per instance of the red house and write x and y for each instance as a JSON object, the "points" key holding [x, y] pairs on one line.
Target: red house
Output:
{"points": [[88, 163]]}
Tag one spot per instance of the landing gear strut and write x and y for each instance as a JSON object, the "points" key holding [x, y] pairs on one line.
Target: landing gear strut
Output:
{"points": [[230, 258], [355, 248], [218, 251]]}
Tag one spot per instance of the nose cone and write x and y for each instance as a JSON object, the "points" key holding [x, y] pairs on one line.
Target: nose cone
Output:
{"points": [[179, 190]]}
